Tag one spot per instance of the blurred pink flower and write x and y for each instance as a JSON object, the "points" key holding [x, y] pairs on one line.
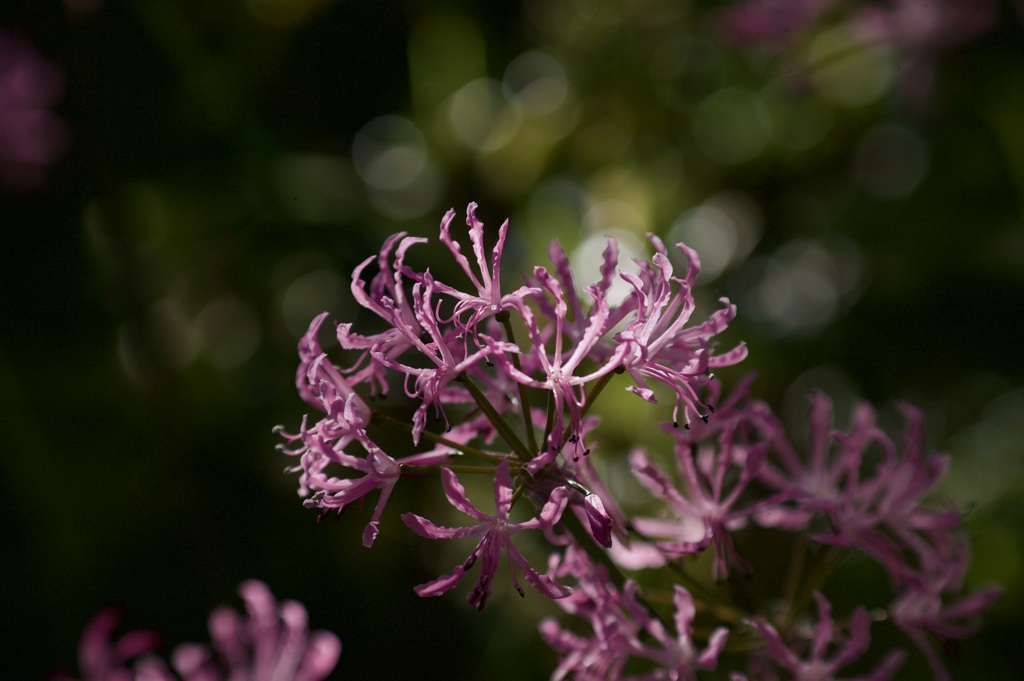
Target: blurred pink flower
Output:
{"points": [[101, 658], [270, 642], [817, 666], [31, 136], [917, 30]]}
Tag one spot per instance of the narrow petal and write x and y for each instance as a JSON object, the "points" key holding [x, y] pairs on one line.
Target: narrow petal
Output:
{"points": [[456, 495], [425, 528]]}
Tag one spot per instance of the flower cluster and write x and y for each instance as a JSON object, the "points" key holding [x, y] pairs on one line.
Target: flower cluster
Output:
{"points": [[456, 350], [271, 642], [654, 592]]}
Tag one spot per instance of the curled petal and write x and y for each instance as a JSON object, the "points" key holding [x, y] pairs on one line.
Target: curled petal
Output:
{"points": [[600, 521]]}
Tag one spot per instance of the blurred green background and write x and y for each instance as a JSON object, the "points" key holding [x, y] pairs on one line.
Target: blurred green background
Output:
{"points": [[227, 163]]}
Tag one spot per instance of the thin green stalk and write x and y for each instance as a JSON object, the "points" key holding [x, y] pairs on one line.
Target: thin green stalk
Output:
{"points": [[434, 437], [719, 604], [524, 397], [596, 553], [796, 568], [740, 642], [456, 468], [823, 568], [549, 423], [495, 418], [516, 494]]}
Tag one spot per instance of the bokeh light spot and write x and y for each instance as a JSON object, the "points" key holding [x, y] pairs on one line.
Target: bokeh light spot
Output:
{"points": [[732, 126], [309, 295], [723, 230], [390, 155], [316, 187], [229, 332], [890, 161], [848, 71], [800, 289], [389, 152], [539, 83], [799, 121], [474, 112], [686, 69]]}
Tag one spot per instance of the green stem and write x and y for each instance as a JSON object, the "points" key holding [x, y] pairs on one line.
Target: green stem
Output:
{"points": [[434, 437], [457, 468], [495, 418], [549, 423], [796, 568], [714, 601], [524, 397], [586, 542], [824, 566], [741, 643], [516, 494]]}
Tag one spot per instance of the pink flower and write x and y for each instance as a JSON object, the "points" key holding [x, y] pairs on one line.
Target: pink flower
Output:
{"points": [[618, 626], [878, 508], [678, 657], [270, 643], [611, 630], [320, 383], [449, 357], [101, 658], [817, 666], [31, 136], [772, 22], [935, 607], [379, 472], [561, 365], [575, 320], [384, 296], [659, 344], [917, 31], [495, 532], [707, 508], [488, 300]]}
